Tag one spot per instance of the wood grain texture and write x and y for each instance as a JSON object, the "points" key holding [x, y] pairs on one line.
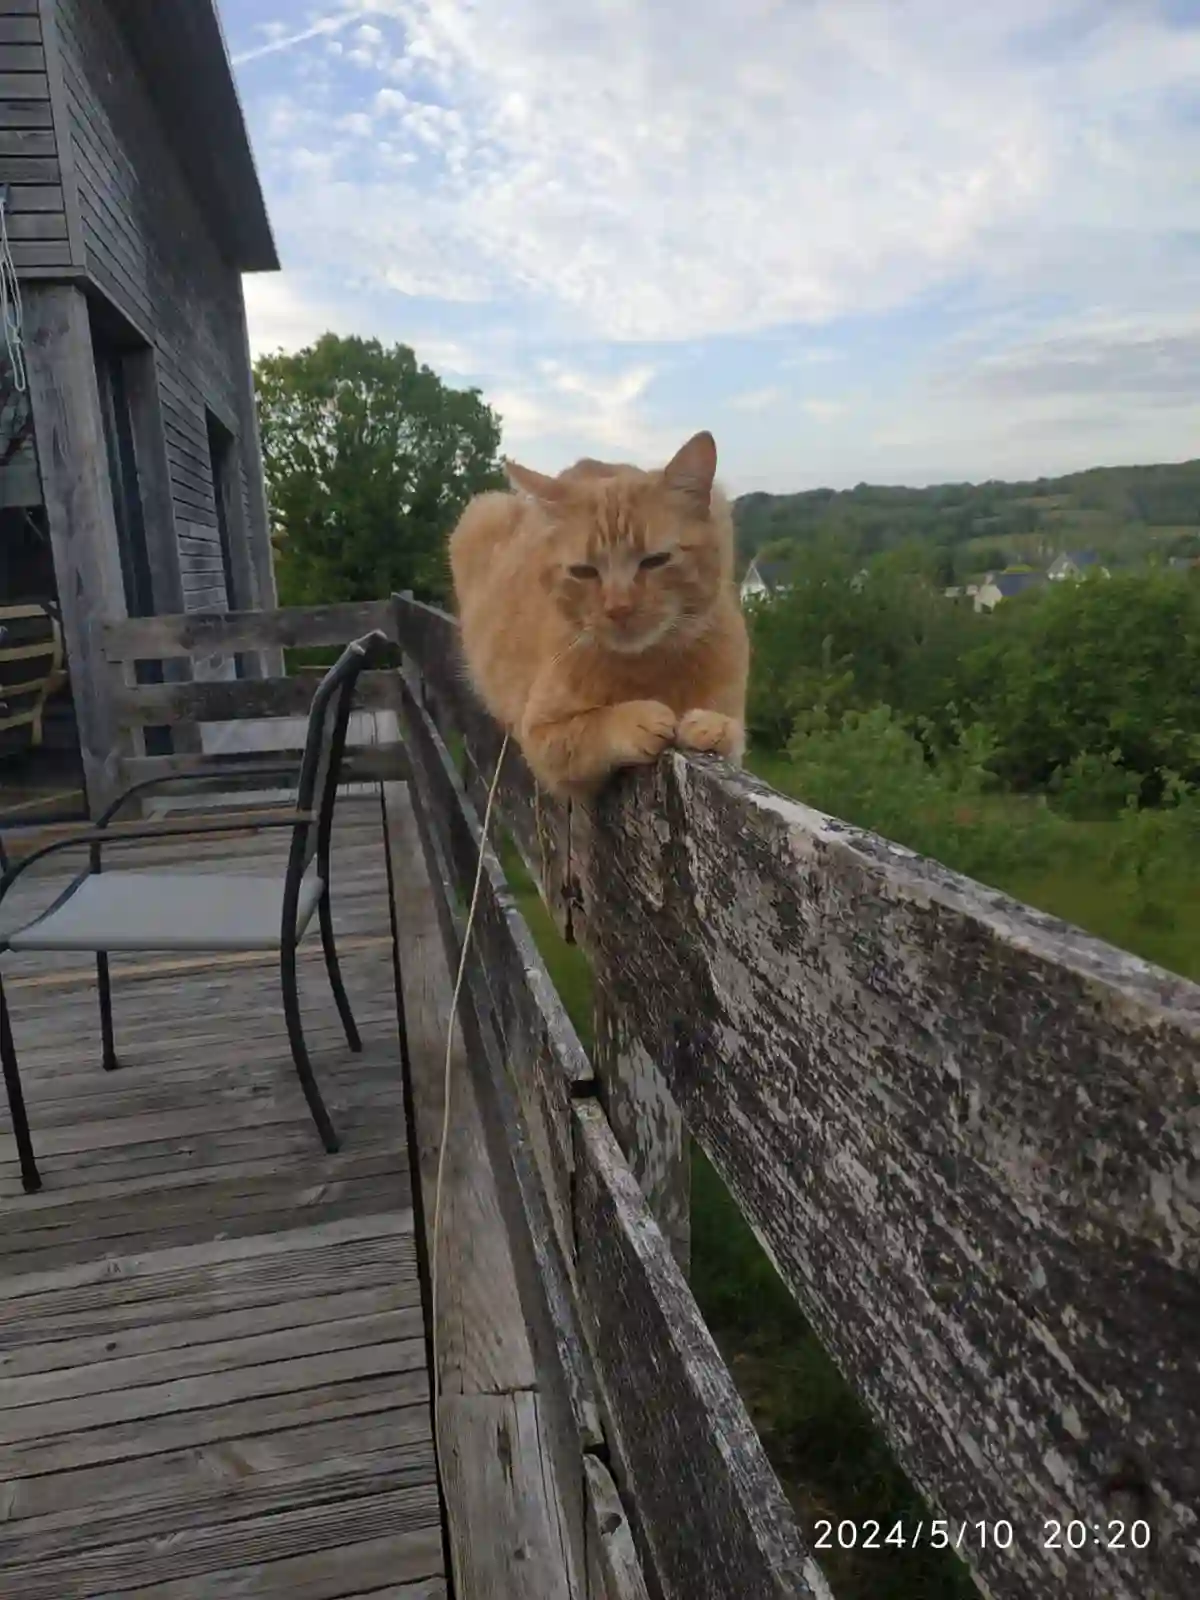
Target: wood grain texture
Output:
{"points": [[547, 1064], [368, 763], [68, 424], [525, 1270], [494, 1463], [643, 1113], [161, 704], [708, 1508], [614, 1571], [713, 1426], [965, 1132], [212, 1351], [36, 142], [155, 638]]}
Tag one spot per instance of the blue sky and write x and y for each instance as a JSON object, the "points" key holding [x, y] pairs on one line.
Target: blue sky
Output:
{"points": [[857, 239]]}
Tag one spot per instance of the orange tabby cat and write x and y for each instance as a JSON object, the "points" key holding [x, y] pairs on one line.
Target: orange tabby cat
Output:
{"points": [[600, 621]]}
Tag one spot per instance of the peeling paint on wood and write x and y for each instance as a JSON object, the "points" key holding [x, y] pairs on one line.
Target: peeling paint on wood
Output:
{"points": [[966, 1133], [707, 1423], [646, 1121], [695, 1478]]}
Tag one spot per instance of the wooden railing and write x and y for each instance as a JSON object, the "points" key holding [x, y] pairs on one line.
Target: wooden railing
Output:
{"points": [[966, 1133], [185, 707]]}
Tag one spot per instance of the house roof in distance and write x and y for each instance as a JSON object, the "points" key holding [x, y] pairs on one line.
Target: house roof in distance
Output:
{"points": [[1075, 558], [773, 573], [1010, 583]]}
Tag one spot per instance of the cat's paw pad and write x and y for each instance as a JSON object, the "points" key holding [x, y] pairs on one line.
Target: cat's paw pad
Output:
{"points": [[644, 729], [710, 731]]}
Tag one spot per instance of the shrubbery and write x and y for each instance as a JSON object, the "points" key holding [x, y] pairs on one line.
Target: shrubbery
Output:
{"points": [[1051, 749], [1087, 693]]}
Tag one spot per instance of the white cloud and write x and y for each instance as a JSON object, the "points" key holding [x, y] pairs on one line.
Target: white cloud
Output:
{"points": [[284, 312], [664, 172], [652, 173], [279, 38], [560, 412], [756, 399]]}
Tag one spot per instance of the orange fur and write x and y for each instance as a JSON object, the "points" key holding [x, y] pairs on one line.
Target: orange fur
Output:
{"points": [[592, 659]]}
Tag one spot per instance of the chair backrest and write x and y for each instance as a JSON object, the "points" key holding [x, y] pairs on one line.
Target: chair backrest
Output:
{"points": [[324, 745]]}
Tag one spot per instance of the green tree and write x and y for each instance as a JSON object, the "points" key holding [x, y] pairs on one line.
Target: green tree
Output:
{"points": [[1105, 670], [370, 459], [839, 640]]}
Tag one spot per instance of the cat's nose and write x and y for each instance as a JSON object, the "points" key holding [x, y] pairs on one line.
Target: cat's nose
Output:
{"points": [[618, 608]]}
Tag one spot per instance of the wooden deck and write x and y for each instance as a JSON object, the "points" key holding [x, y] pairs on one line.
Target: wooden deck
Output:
{"points": [[212, 1354]]}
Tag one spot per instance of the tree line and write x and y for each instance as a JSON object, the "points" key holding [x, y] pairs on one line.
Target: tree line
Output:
{"points": [[370, 459]]}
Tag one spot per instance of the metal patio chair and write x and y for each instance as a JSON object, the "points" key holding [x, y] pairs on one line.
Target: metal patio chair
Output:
{"points": [[175, 910]]}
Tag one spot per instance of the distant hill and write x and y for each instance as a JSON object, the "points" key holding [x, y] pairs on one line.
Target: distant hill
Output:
{"points": [[1124, 514]]}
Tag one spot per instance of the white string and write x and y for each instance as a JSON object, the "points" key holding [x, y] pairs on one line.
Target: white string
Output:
{"points": [[11, 310], [445, 1139]]}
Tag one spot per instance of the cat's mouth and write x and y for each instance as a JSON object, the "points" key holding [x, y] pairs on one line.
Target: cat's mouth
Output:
{"points": [[632, 637]]}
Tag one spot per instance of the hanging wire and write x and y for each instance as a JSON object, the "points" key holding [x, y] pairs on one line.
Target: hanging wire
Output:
{"points": [[11, 310]]}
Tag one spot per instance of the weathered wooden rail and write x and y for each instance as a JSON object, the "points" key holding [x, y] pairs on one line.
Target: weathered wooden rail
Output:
{"points": [[967, 1134], [188, 706]]}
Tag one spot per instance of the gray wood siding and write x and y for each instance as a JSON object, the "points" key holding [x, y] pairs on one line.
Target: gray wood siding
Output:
{"points": [[29, 156], [150, 249]]}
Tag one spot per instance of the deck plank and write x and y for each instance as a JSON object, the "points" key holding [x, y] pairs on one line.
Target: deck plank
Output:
{"points": [[212, 1358]]}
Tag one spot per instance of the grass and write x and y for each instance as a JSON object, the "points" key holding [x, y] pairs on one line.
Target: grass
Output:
{"points": [[1085, 878]]}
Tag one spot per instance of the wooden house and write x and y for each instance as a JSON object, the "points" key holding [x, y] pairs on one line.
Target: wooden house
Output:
{"points": [[130, 472]]}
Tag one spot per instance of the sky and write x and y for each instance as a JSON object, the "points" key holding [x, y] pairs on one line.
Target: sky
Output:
{"points": [[900, 241]]}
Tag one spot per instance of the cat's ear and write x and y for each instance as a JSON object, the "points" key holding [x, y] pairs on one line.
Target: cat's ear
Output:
{"points": [[692, 468], [550, 491]]}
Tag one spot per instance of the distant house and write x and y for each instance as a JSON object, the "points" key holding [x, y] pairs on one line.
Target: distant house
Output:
{"points": [[765, 579], [1073, 564], [1182, 563], [998, 586]]}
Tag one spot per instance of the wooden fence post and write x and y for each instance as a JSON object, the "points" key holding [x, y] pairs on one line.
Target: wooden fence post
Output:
{"points": [[73, 458], [641, 1110], [645, 1120]]}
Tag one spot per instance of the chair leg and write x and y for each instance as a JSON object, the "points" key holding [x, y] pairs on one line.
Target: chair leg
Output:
{"points": [[30, 1177], [304, 1071], [325, 912], [106, 1016]]}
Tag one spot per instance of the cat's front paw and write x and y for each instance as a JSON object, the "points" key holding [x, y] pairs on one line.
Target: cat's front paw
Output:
{"points": [[641, 730], [712, 732]]}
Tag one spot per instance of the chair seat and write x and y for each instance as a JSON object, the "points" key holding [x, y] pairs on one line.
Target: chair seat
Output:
{"points": [[158, 911]]}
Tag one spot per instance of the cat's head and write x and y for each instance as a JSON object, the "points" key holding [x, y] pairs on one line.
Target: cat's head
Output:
{"points": [[634, 557]]}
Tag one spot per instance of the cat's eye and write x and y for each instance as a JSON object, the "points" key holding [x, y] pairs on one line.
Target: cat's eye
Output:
{"points": [[582, 570], [658, 560]]}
